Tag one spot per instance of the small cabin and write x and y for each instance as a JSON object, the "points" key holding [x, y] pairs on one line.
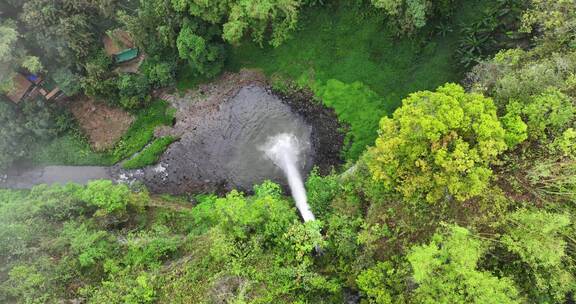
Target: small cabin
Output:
{"points": [[126, 55], [20, 89], [120, 46]]}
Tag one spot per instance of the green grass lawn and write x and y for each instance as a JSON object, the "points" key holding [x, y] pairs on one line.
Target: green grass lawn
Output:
{"points": [[341, 43], [72, 149], [150, 154]]}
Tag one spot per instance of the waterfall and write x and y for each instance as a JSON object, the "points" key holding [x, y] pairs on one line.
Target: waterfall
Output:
{"points": [[284, 150]]}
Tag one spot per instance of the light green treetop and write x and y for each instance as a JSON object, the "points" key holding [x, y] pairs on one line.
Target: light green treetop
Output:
{"points": [[438, 145], [446, 271]]}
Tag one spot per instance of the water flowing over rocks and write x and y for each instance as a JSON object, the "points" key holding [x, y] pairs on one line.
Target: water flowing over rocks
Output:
{"points": [[223, 125]]}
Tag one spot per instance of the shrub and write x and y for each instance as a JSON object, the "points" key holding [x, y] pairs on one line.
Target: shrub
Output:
{"points": [[438, 145], [133, 91], [106, 197], [446, 271]]}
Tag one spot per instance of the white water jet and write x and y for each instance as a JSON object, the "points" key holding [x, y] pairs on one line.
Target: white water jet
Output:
{"points": [[284, 150]]}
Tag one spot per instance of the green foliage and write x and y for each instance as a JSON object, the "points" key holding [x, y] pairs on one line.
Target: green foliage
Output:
{"points": [[446, 272], [149, 248], [65, 31], [150, 154], [556, 18], [302, 240], [516, 129], [356, 105], [32, 64], [204, 57], [438, 145], [22, 128], [13, 54], [494, 29], [69, 149], [321, 190], [124, 288], [548, 113], [89, 246], [28, 284], [141, 132], [406, 15], [98, 80], [383, 283], [536, 238], [159, 73], [108, 198], [241, 17], [67, 81], [133, 91]]}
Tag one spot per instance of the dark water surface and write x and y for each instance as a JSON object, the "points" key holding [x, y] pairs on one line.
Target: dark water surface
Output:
{"points": [[223, 149], [219, 149]]}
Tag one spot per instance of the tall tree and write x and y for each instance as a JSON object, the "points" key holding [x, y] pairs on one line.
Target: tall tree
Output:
{"points": [[240, 18], [446, 271], [438, 145]]}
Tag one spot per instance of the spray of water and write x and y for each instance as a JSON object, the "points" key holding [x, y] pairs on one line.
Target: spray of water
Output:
{"points": [[284, 150]]}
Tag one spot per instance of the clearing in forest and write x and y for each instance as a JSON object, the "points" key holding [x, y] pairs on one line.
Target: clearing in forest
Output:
{"points": [[104, 125]]}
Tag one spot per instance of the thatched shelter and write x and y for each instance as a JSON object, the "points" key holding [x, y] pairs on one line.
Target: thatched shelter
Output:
{"points": [[20, 89]]}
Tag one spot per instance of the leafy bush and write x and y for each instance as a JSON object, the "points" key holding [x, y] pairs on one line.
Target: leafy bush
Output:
{"points": [[548, 113], [109, 198], [159, 73], [383, 283], [536, 238], [438, 145], [133, 91], [88, 245], [204, 57], [67, 81], [446, 271], [321, 190], [27, 283], [148, 248]]}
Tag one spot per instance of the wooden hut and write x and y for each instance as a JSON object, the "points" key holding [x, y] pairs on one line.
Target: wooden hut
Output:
{"points": [[20, 89], [120, 46]]}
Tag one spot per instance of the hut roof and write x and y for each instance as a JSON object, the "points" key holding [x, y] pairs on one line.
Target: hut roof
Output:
{"points": [[117, 41], [21, 86]]}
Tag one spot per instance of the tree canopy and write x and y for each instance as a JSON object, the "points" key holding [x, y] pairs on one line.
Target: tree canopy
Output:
{"points": [[438, 145]]}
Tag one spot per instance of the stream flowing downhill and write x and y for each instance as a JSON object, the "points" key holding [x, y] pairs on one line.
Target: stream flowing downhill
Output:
{"points": [[284, 150]]}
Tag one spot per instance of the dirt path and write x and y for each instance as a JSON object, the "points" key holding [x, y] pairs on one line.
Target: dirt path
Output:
{"points": [[53, 175]]}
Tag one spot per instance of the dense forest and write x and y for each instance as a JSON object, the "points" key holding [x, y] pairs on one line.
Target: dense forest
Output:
{"points": [[456, 181]]}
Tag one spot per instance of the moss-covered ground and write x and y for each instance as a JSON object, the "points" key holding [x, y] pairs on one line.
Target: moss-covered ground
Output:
{"points": [[344, 43]]}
